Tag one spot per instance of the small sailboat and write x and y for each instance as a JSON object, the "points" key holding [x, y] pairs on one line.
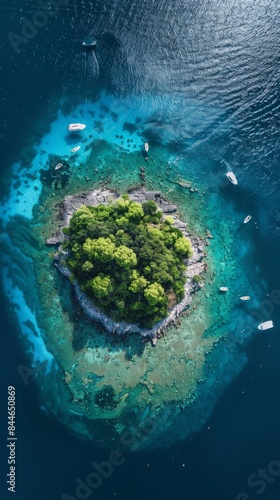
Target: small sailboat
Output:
{"points": [[75, 149], [146, 147], [58, 166], [74, 127], [247, 219], [266, 325], [232, 178], [223, 289], [245, 297]]}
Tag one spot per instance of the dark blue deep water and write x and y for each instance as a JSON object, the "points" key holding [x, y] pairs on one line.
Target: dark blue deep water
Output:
{"points": [[224, 54]]}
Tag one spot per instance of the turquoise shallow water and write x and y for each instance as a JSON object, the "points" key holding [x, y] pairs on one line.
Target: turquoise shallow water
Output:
{"points": [[110, 154], [200, 85]]}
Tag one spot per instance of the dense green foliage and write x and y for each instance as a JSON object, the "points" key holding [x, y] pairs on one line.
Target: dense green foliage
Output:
{"points": [[196, 279], [128, 259]]}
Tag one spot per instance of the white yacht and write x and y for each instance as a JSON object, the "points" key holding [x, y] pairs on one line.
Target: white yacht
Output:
{"points": [[247, 219], [73, 127], [146, 147], [223, 289], [232, 178], [245, 297], [75, 149], [89, 42], [266, 325]]}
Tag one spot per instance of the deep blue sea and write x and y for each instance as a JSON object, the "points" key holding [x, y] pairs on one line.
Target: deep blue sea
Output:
{"points": [[223, 59]]}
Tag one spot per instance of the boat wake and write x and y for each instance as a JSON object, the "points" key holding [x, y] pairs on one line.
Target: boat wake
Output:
{"points": [[91, 65]]}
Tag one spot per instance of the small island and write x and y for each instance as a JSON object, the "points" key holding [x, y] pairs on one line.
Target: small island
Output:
{"points": [[122, 273], [128, 260]]}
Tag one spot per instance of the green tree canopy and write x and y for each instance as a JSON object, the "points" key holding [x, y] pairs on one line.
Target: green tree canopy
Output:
{"points": [[101, 249], [137, 282], [101, 285], [125, 257], [154, 294], [183, 247], [128, 258]]}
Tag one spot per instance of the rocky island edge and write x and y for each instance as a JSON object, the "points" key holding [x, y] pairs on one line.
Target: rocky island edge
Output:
{"points": [[195, 264]]}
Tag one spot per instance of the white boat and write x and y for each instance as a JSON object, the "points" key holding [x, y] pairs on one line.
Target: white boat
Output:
{"points": [[75, 149], [89, 42], [231, 177], [223, 289], [73, 127], [247, 219], [146, 147], [266, 325], [58, 166], [245, 297]]}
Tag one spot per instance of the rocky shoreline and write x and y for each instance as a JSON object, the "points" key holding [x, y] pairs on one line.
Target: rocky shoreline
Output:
{"points": [[195, 264]]}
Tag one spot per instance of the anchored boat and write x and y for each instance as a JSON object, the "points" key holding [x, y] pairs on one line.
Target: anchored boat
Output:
{"points": [[75, 149], [232, 178], [89, 42], [247, 219], [266, 325], [73, 127]]}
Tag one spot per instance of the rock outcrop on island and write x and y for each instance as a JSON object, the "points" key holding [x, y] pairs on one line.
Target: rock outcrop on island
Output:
{"points": [[195, 265]]}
